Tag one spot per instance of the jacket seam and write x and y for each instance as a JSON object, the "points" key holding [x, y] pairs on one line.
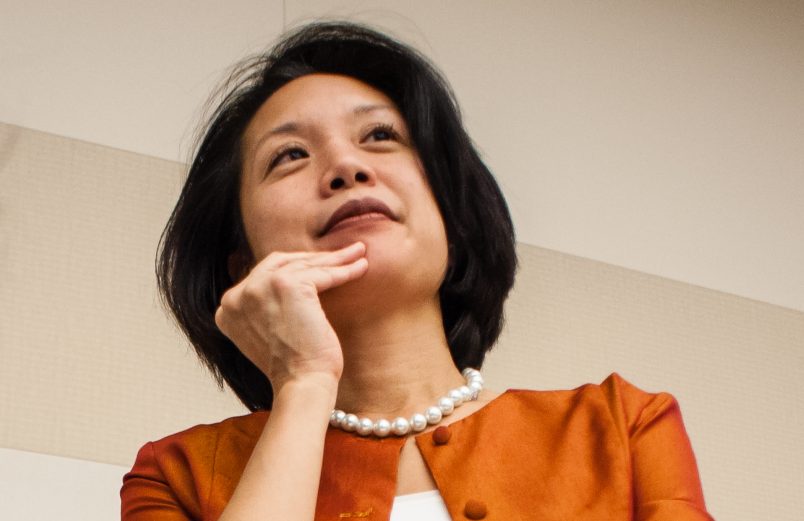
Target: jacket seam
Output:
{"points": [[205, 507]]}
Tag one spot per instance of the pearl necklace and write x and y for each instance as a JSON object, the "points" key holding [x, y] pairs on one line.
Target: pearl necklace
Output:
{"points": [[418, 422]]}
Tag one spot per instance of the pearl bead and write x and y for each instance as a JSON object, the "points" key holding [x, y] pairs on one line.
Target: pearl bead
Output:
{"points": [[456, 396], [418, 422], [382, 428], [475, 387], [469, 371], [365, 427], [433, 415], [350, 423], [446, 405], [466, 393], [400, 426], [336, 418]]}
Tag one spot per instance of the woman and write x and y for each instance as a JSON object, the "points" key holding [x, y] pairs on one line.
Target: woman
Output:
{"points": [[339, 256]]}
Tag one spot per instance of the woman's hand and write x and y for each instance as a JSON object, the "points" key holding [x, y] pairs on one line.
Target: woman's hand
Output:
{"points": [[275, 318]]}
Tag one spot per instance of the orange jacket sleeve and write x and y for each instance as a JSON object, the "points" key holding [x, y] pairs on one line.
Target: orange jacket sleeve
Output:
{"points": [[146, 494], [665, 474]]}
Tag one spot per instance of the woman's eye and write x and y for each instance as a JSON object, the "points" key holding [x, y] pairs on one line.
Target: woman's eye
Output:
{"points": [[382, 133], [288, 154]]}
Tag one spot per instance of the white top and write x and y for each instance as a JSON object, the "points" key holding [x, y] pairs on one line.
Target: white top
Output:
{"points": [[422, 506]]}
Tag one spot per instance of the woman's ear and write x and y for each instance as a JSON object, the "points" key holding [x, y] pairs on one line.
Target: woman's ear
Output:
{"points": [[238, 264]]}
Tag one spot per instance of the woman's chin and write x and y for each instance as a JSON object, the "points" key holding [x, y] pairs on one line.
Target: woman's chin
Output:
{"points": [[382, 278], [401, 270], [388, 283]]}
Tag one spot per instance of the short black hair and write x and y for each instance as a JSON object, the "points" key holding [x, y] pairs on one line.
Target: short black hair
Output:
{"points": [[206, 227]]}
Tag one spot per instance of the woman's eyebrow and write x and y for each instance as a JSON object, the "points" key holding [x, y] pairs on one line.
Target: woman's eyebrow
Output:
{"points": [[291, 127], [365, 109]]}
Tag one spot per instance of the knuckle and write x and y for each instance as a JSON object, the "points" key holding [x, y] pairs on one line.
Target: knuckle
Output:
{"points": [[220, 318], [307, 291], [275, 257], [305, 263], [251, 293], [283, 282], [228, 302]]}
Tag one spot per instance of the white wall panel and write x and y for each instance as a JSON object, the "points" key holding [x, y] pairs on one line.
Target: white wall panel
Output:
{"points": [[131, 75], [42, 487]]}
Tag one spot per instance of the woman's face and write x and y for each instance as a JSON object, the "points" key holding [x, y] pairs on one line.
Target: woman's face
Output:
{"points": [[327, 161]]}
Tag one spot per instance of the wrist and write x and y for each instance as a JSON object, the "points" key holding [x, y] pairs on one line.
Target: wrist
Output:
{"points": [[312, 389]]}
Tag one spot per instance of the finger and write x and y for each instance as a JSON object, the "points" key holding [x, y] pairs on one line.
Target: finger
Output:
{"points": [[328, 277], [333, 258], [297, 262], [343, 255], [278, 259]]}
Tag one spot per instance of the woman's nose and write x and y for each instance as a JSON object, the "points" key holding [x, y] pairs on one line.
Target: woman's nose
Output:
{"points": [[343, 181], [347, 173]]}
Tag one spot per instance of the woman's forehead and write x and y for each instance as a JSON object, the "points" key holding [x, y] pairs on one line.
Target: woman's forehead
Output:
{"points": [[315, 98], [319, 94]]}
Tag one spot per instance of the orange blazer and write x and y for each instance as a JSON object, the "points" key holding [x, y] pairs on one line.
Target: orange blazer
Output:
{"points": [[598, 452]]}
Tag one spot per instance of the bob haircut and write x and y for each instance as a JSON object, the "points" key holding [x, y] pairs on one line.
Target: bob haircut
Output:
{"points": [[206, 228]]}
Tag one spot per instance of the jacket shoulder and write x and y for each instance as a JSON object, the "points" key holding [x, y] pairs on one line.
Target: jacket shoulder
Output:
{"points": [[182, 471], [246, 425], [615, 397]]}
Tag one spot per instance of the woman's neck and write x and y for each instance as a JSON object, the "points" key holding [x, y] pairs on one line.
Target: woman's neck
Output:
{"points": [[396, 363]]}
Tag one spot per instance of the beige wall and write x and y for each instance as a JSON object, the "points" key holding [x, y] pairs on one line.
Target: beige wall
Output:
{"points": [[649, 151]]}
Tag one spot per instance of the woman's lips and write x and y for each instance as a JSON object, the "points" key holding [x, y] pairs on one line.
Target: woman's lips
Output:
{"points": [[357, 210], [357, 220]]}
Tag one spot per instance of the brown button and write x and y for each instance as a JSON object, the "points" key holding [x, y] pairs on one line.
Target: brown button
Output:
{"points": [[441, 435], [474, 509]]}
